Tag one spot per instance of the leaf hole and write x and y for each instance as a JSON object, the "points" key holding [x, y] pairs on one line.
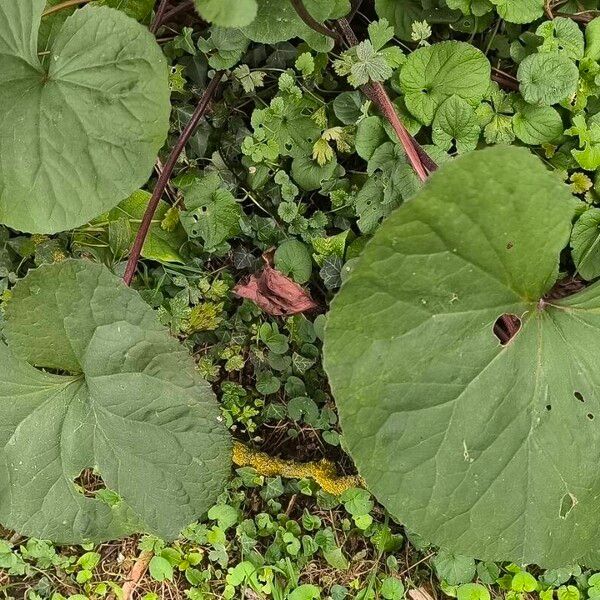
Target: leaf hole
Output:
{"points": [[579, 396], [567, 504], [590, 416], [506, 327], [548, 407], [89, 483]]}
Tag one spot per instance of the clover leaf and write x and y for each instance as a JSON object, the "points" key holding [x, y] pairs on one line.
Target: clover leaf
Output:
{"points": [[434, 73], [81, 131], [124, 398], [467, 440]]}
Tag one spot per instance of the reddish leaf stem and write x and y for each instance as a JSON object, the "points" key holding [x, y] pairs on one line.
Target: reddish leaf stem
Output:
{"points": [[163, 180], [158, 17], [311, 21], [420, 161]]}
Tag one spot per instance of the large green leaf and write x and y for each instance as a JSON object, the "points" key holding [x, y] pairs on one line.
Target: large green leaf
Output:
{"points": [[81, 131], [489, 450], [434, 73], [128, 402]]}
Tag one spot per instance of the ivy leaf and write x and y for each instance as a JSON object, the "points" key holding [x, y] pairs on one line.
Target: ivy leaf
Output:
{"points": [[212, 213], [82, 130], [519, 11], [227, 13], [537, 124], [124, 381], [434, 73], [161, 245], [561, 35], [547, 78], [455, 122], [453, 432], [585, 244]]}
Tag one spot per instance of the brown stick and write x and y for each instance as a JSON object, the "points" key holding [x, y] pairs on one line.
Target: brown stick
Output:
{"points": [[135, 575], [311, 21], [420, 161], [161, 184], [175, 11], [63, 5], [158, 16], [505, 80]]}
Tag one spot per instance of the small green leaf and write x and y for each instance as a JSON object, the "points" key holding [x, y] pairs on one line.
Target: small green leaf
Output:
{"points": [[519, 11], [547, 78], [455, 123], [160, 569], [585, 244], [293, 258], [537, 124], [454, 569], [227, 13], [472, 591], [561, 35], [392, 589]]}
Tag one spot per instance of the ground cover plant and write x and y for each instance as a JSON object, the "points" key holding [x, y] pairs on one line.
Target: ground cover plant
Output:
{"points": [[298, 299]]}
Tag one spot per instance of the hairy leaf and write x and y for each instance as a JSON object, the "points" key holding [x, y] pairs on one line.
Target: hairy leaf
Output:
{"points": [[81, 131], [547, 78], [128, 402], [468, 441], [434, 73]]}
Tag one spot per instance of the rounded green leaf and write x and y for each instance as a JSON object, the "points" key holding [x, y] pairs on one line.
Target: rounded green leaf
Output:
{"points": [[519, 11], [127, 401], [547, 78], [227, 13], [537, 124], [80, 131], [434, 73], [468, 441]]}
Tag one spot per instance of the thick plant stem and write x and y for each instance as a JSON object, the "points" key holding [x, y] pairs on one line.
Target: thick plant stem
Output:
{"points": [[67, 4], [163, 180], [158, 17], [137, 572], [322, 472], [420, 161]]}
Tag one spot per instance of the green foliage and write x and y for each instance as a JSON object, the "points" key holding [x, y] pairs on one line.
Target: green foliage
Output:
{"points": [[487, 271], [123, 382], [83, 128], [547, 78], [434, 73]]}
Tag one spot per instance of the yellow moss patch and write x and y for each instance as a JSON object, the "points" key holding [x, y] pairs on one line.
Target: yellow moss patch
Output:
{"points": [[323, 472]]}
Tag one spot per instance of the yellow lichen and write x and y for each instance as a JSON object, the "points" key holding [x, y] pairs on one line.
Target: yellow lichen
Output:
{"points": [[322, 472]]}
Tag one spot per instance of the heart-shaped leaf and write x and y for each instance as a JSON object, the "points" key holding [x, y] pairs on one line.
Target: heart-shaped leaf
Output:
{"points": [[487, 449], [127, 401], [80, 131]]}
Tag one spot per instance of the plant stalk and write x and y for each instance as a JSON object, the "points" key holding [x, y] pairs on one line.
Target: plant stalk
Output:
{"points": [[158, 16], [165, 176], [311, 21]]}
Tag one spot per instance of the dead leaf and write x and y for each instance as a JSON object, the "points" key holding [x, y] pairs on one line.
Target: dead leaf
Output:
{"points": [[275, 293], [419, 593]]}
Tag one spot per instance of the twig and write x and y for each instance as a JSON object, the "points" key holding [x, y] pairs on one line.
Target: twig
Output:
{"points": [[163, 180], [582, 17], [420, 161], [505, 80], [158, 16], [311, 21], [135, 575], [63, 5], [175, 11]]}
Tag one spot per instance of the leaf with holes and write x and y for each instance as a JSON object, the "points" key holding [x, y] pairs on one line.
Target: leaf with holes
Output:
{"points": [[487, 449], [82, 129], [126, 401]]}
